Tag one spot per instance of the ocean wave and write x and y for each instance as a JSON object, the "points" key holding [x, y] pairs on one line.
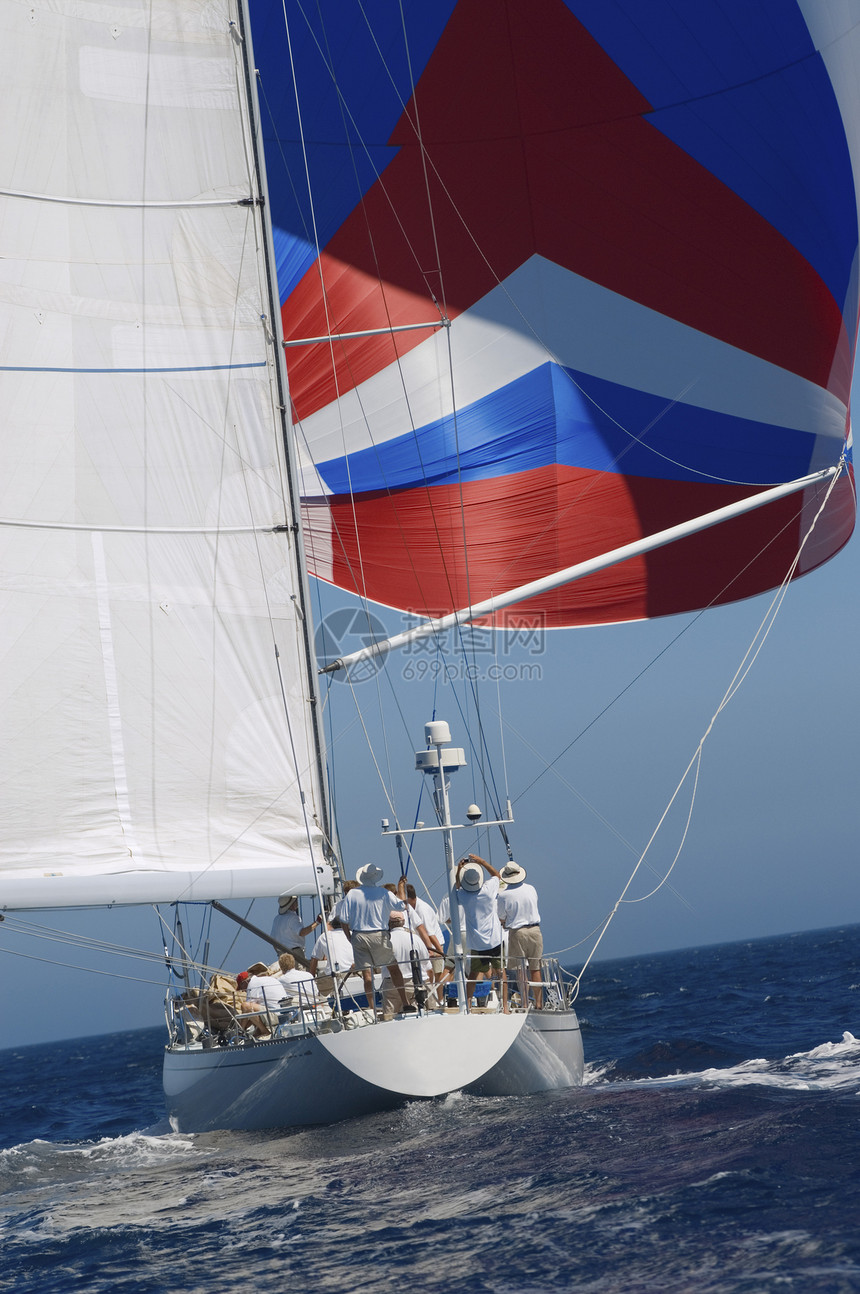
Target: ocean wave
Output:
{"points": [[831, 1066], [50, 1161]]}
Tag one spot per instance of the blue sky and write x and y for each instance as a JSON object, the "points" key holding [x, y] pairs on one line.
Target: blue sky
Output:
{"points": [[771, 846]]}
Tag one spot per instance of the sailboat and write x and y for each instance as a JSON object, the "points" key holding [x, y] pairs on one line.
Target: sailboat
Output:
{"points": [[496, 322]]}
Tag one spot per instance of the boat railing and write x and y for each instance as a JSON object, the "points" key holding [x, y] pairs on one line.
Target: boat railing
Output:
{"points": [[518, 988], [203, 1018]]}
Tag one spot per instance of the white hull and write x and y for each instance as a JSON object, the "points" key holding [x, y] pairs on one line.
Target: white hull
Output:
{"points": [[546, 1057], [325, 1077]]}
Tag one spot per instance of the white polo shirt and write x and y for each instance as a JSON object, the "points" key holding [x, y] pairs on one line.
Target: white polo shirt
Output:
{"points": [[483, 929], [518, 906]]}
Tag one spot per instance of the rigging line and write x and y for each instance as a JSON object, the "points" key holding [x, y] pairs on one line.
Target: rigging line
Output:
{"points": [[358, 582], [693, 794], [423, 154], [71, 940], [392, 494], [489, 787], [486, 761], [713, 602], [360, 718], [397, 703], [455, 421], [501, 725], [237, 934], [346, 115], [751, 655], [448, 675], [318, 250], [382, 724], [464, 532], [409, 845], [437, 636], [570, 947], [638, 439], [86, 970], [359, 585], [177, 942], [209, 968], [328, 63]]}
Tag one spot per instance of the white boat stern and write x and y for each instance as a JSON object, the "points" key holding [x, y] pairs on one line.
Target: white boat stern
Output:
{"points": [[425, 1055]]}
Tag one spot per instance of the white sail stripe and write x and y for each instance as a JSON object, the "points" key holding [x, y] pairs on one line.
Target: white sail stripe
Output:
{"points": [[584, 326], [117, 745]]}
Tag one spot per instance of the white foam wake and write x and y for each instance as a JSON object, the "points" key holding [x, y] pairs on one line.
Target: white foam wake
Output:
{"points": [[832, 1066]]}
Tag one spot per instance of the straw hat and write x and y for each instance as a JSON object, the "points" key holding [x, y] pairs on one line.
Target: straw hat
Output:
{"points": [[471, 878], [512, 873], [370, 874], [285, 902]]}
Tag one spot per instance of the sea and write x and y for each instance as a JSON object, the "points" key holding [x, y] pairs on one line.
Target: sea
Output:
{"points": [[713, 1147]]}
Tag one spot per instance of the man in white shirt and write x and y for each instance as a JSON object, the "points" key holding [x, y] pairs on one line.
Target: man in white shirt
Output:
{"points": [[403, 940], [288, 930], [477, 897], [299, 986], [518, 912], [265, 990], [364, 912], [432, 950], [334, 941]]}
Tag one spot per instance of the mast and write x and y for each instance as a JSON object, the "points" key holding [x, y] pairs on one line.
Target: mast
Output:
{"points": [[439, 762], [292, 525]]}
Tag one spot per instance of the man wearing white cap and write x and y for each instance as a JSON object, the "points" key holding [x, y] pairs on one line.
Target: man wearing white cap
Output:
{"points": [[364, 914], [477, 898], [518, 912], [287, 928]]}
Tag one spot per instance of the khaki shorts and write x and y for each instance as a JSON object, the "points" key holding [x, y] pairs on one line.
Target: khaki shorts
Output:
{"points": [[372, 948], [526, 942]]}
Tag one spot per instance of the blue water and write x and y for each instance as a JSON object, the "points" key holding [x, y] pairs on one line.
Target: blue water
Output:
{"points": [[714, 1147]]}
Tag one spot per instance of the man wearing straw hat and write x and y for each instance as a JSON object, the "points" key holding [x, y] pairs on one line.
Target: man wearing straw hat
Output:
{"points": [[477, 898], [364, 914], [518, 913]]}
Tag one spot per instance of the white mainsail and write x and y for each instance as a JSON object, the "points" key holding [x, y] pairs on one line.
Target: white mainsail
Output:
{"points": [[155, 700]]}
